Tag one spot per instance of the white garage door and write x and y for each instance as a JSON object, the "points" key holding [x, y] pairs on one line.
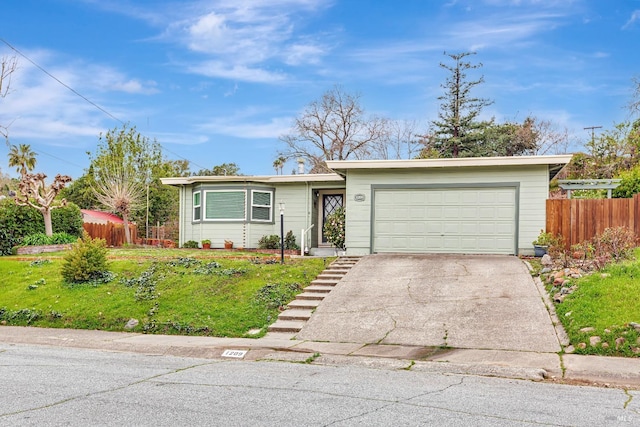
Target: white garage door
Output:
{"points": [[445, 220]]}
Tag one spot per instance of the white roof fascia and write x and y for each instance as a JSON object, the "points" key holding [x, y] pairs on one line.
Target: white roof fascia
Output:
{"points": [[265, 179], [453, 162]]}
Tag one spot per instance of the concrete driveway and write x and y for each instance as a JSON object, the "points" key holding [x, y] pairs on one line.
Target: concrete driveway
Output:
{"points": [[460, 301]]}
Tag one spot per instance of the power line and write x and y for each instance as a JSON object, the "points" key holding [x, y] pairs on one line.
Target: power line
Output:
{"points": [[75, 92]]}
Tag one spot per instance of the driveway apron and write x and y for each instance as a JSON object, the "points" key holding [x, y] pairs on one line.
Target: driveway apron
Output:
{"points": [[460, 301]]}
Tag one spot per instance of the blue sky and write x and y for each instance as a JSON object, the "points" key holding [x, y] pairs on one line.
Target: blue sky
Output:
{"points": [[220, 80]]}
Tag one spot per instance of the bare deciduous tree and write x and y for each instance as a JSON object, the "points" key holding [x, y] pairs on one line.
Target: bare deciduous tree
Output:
{"points": [[634, 104], [36, 193], [8, 65], [550, 137], [402, 141], [333, 128]]}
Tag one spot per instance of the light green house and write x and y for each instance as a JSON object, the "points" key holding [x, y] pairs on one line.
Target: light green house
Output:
{"points": [[487, 205]]}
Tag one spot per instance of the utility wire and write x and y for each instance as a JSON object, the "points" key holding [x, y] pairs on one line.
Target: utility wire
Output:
{"points": [[75, 92]]}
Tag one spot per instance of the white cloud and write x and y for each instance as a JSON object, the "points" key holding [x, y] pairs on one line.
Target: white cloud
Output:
{"points": [[635, 17], [243, 40], [236, 72], [40, 107], [246, 124]]}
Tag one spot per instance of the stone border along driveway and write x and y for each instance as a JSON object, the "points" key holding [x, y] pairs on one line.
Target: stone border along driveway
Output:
{"points": [[458, 301]]}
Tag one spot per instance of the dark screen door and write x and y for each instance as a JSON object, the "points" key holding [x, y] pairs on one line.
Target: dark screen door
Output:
{"points": [[330, 202]]}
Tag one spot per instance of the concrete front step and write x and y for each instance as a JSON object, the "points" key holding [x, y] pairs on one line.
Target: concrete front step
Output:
{"points": [[321, 289], [286, 326], [329, 276], [300, 310], [310, 296], [303, 304], [296, 314], [334, 272], [328, 282]]}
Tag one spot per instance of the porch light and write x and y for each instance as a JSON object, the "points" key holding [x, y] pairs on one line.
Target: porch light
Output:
{"points": [[281, 204]]}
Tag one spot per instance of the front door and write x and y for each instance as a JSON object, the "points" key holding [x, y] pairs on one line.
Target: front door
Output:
{"points": [[330, 200]]}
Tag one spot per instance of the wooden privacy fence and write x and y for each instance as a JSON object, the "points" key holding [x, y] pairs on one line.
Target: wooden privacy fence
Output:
{"points": [[111, 232], [578, 220]]}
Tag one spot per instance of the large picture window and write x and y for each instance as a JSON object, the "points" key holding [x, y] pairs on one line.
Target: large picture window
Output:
{"points": [[225, 205], [261, 205], [197, 207]]}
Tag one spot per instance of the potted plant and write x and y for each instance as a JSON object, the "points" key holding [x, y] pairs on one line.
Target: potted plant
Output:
{"points": [[542, 243], [228, 244], [206, 244]]}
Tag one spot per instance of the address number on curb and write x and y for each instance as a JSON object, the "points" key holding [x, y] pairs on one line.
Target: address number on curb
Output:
{"points": [[238, 354]]}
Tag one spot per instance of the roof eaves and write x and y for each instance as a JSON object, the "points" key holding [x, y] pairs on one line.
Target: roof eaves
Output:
{"points": [[343, 165], [265, 179]]}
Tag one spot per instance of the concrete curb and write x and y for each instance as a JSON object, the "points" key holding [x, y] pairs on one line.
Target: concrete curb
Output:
{"points": [[576, 369]]}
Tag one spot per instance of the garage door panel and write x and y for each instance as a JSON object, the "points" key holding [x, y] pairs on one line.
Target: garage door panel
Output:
{"points": [[418, 212], [452, 220]]}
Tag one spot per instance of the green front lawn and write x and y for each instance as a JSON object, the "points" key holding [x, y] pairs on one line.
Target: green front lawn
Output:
{"points": [[607, 301], [172, 291]]}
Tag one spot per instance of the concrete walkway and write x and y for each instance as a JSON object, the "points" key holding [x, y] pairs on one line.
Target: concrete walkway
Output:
{"points": [[473, 302]]}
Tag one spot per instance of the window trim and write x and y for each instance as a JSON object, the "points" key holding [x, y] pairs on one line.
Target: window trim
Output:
{"points": [[270, 206]]}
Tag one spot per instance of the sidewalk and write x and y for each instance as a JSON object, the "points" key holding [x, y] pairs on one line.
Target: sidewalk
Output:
{"points": [[587, 370]]}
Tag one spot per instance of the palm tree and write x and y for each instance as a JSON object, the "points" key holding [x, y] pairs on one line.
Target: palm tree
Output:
{"points": [[276, 165], [23, 158]]}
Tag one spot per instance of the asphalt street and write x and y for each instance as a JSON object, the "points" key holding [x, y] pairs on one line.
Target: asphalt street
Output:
{"points": [[52, 386]]}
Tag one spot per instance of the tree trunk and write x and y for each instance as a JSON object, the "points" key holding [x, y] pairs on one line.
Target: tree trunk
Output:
{"points": [[127, 233], [48, 228]]}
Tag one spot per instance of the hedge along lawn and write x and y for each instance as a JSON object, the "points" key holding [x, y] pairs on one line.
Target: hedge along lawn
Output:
{"points": [[168, 291], [608, 302]]}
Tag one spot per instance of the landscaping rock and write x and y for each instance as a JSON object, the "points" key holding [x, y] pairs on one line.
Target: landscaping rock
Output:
{"points": [[132, 323], [545, 270], [594, 341], [558, 297], [587, 329], [619, 342], [605, 345], [565, 290], [578, 254], [582, 345], [570, 349], [635, 326], [546, 260]]}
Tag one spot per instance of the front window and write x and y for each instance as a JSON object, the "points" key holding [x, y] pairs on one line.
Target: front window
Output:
{"points": [[261, 205], [197, 207], [225, 205]]}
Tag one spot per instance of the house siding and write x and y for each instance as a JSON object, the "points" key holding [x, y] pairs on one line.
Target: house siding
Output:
{"points": [[533, 191], [299, 207]]}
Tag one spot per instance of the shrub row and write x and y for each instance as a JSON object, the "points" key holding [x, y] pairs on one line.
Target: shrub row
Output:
{"points": [[612, 245], [17, 222]]}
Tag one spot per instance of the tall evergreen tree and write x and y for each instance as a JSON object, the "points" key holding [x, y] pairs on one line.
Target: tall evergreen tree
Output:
{"points": [[458, 132]]}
